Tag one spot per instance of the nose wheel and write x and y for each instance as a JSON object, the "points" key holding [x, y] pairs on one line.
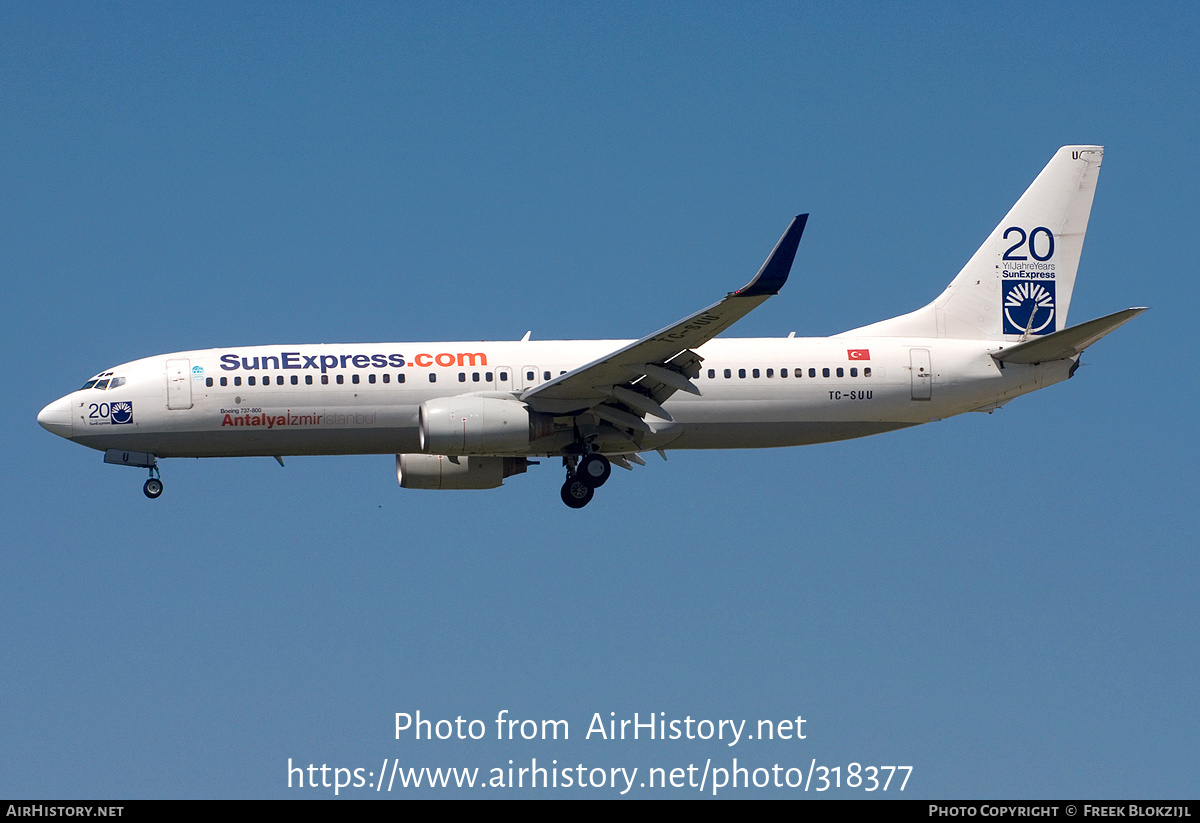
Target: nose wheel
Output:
{"points": [[154, 486]]}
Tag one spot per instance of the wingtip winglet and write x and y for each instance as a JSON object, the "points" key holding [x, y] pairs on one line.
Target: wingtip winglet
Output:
{"points": [[774, 272]]}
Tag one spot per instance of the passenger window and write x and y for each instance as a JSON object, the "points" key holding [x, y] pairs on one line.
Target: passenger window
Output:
{"points": [[755, 373], [208, 382], [728, 374], [783, 372], [387, 378], [340, 379], [371, 378], [295, 379], [250, 380], [308, 379], [742, 373], [853, 372], [399, 378], [545, 375], [325, 379], [824, 372], [487, 376], [224, 381], [462, 377], [530, 376], [237, 381], [841, 372], [770, 372], [813, 373], [354, 379], [503, 376], [867, 371], [432, 377], [474, 377], [279, 380]]}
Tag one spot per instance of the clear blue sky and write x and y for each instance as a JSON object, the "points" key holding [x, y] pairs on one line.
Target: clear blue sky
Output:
{"points": [[1006, 603]]}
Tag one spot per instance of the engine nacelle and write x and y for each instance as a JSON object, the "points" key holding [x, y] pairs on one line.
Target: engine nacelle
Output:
{"points": [[437, 471], [475, 425]]}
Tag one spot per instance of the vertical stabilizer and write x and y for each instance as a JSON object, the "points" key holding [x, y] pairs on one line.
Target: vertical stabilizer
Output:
{"points": [[1018, 285]]}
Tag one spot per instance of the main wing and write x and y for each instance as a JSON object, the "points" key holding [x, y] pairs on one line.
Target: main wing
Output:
{"points": [[626, 385]]}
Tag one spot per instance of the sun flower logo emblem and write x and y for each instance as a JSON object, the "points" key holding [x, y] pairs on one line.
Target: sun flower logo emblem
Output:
{"points": [[1028, 307], [121, 412]]}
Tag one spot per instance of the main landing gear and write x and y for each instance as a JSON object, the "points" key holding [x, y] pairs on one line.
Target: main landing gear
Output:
{"points": [[583, 478]]}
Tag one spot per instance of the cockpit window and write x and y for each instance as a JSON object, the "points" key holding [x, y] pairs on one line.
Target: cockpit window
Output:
{"points": [[102, 384]]}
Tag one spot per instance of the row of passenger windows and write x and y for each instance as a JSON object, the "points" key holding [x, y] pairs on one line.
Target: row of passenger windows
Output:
{"points": [[355, 379], [798, 372], [487, 377], [372, 378]]}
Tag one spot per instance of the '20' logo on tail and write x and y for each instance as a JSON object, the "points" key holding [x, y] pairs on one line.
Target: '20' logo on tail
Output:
{"points": [[1028, 306]]}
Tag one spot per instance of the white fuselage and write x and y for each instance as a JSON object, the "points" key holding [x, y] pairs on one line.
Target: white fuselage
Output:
{"points": [[364, 398], [469, 415]]}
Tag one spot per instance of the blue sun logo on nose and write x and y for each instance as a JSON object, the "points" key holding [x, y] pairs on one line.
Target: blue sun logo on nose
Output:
{"points": [[121, 412]]}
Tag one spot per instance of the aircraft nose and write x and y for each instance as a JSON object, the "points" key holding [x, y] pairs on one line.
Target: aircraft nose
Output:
{"points": [[56, 418]]}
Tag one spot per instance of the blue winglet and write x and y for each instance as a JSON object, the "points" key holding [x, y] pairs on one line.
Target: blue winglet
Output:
{"points": [[774, 272]]}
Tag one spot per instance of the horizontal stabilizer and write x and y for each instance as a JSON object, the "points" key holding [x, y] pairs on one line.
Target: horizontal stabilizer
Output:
{"points": [[1066, 343]]}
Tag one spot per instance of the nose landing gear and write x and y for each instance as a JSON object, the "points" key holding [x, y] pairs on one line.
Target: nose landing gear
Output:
{"points": [[154, 486], [142, 460]]}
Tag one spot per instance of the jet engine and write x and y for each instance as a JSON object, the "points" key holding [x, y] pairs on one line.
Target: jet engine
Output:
{"points": [[437, 471], [469, 424]]}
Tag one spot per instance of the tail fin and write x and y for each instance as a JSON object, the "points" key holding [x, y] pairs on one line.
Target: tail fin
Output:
{"points": [[1019, 283]]}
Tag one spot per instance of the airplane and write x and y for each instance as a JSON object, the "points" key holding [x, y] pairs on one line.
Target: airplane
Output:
{"points": [[469, 415]]}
